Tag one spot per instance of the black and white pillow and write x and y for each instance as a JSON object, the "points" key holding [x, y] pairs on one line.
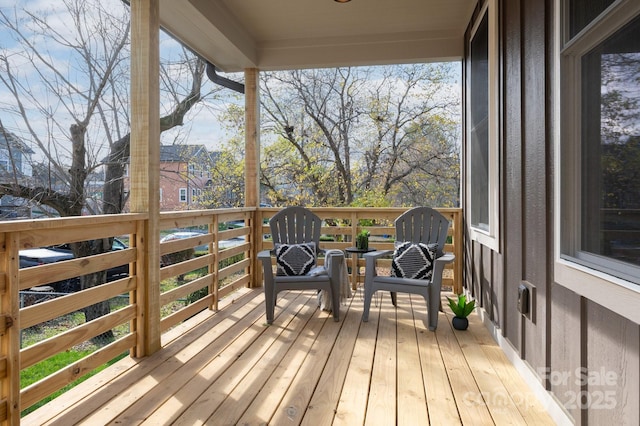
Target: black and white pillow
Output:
{"points": [[295, 259], [413, 260]]}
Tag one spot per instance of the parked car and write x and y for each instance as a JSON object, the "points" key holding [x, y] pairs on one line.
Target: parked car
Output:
{"points": [[45, 255], [223, 244], [232, 242], [185, 234], [40, 256]]}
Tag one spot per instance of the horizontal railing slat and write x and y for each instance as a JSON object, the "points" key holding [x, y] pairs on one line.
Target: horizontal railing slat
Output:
{"points": [[39, 390], [45, 311], [49, 347], [225, 271]]}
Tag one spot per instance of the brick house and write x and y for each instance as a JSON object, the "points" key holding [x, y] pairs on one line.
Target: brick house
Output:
{"points": [[184, 174]]}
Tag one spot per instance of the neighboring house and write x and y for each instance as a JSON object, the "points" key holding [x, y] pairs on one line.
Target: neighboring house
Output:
{"points": [[15, 166], [15, 157], [184, 175]]}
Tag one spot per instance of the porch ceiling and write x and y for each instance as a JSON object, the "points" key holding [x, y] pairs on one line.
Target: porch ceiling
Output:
{"points": [[287, 34]]}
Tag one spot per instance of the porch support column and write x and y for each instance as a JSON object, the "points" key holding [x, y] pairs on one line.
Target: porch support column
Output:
{"points": [[252, 138], [145, 168], [252, 161]]}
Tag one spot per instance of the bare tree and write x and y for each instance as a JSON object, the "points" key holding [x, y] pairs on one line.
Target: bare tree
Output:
{"points": [[69, 69], [347, 133]]}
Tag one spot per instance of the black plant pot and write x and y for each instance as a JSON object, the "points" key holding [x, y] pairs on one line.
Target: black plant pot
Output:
{"points": [[460, 323]]}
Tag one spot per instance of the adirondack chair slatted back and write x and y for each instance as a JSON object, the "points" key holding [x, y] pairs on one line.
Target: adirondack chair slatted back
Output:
{"points": [[422, 225], [298, 225], [295, 225], [418, 225]]}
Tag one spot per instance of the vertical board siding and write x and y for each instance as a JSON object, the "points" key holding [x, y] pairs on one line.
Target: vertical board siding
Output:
{"points": [[565, 344], [568, 333], [535, 169], [610, 385], [512, 149]]}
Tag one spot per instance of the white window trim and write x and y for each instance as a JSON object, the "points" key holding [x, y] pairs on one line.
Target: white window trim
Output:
{"points": [[186, 195], [615, 294], [489, 238]]}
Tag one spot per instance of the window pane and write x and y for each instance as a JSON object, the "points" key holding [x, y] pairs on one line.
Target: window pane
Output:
{"points": [[582, 12], [611, 147], [479, 121]]}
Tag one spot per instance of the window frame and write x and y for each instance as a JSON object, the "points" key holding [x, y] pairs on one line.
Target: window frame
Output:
{"points": [[183, 195], [491, 236], [592, 280]]}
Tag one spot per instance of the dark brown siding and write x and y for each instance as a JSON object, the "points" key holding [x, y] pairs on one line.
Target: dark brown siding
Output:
{"points": [[566, 334], [566, 341], [512, 220], [535, 210]]}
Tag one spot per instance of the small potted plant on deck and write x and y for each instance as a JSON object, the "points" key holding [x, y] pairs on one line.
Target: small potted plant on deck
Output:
{"points": [[461, 309], [362, 240]]}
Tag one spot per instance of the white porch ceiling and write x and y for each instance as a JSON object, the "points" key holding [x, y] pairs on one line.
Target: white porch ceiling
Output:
{"points": [[287, 34]]}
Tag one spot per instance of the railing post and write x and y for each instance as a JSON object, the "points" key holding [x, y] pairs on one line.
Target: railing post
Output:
{"points": [[458, 247], [256, 245], [214, 228], [10, 334]]}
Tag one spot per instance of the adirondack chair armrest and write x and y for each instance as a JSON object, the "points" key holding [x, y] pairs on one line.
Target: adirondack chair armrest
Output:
{"points": [[265, 257], [446, 258], [439, 264], [370, 262]]}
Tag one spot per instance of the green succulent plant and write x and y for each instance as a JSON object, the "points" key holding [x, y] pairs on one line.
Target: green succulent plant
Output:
{"points": [[364, 233], [461, 308], [362, 239]]}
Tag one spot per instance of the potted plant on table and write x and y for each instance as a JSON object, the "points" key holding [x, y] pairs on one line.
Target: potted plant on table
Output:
{"points": [[461, 309], [362, 240]]}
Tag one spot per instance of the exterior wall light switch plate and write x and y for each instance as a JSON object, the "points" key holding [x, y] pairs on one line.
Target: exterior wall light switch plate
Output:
{"points": [[527, 300]]}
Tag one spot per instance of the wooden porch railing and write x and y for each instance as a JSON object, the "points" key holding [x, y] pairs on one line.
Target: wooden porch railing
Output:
{"points": [[188, 286], [341, 225]]}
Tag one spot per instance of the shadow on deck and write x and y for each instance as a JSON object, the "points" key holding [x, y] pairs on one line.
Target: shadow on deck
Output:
{"points": [[229, 367]]}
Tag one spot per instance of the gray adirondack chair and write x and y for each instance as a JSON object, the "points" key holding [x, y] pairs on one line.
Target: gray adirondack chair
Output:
{"points": [[298, 225], [417, 225]]}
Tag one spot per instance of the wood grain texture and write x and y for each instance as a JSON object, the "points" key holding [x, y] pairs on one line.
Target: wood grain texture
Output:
{"points": [[228, 367]]}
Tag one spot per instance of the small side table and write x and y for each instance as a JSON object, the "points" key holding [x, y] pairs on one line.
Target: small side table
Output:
{"points": [[355, 269]]}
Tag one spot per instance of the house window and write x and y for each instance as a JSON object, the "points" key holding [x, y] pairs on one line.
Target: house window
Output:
{"points": [[600, 139], [482, 128], [183, 195]]}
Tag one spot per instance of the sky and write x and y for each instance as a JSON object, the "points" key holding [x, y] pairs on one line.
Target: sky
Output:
{"points": [[202, 124]]}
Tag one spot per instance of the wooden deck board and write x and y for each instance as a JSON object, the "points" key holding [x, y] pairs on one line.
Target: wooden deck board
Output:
{"points": [[293, 406], [207, 385], [529, 407], [381, 409], [229, 368], [324, 401], [412, 402], [237, 401], [185, 373], [355, 392], [263, 406]]}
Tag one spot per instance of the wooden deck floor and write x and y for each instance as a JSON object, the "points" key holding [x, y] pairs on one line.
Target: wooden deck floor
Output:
{"points": [[230, 368]]}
